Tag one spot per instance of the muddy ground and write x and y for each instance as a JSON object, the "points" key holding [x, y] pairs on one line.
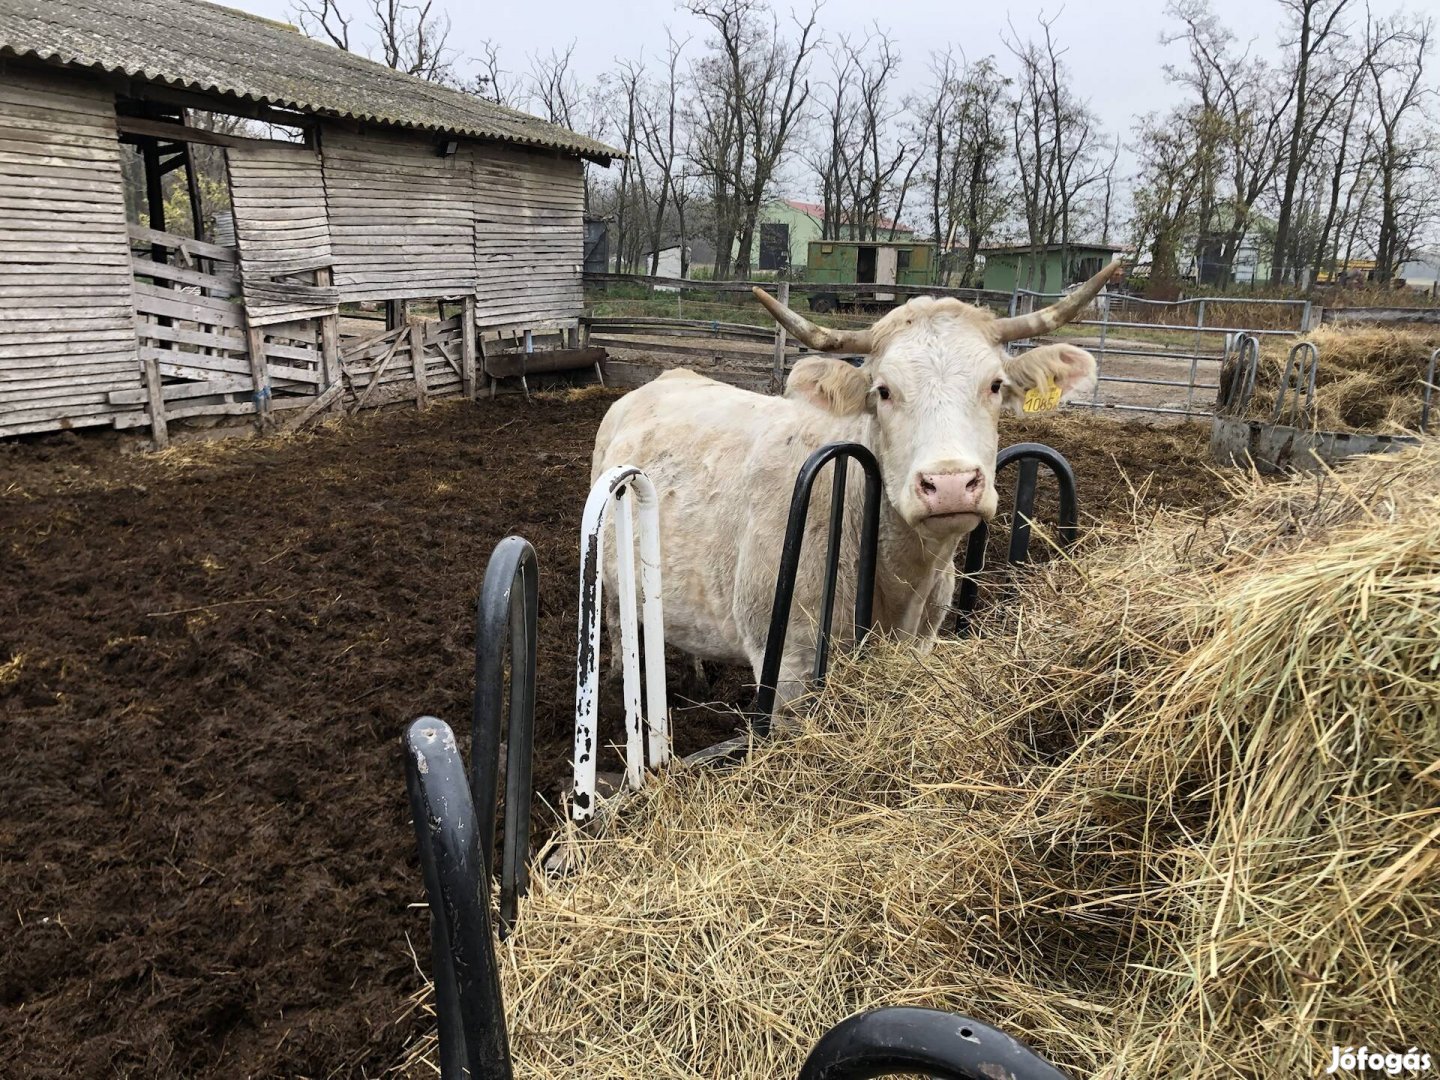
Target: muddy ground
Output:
{"points": [[206, 659]]}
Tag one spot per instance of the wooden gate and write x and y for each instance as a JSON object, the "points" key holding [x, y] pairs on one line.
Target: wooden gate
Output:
{"points": [[197, 352]]}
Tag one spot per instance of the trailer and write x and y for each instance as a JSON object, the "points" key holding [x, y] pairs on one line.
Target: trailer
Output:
{"points": [[860, 268]]}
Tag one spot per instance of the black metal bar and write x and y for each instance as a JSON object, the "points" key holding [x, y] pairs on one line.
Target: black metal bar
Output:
{"points": [[505, 616], [468, 1002], [790, 565], [832, 567], [941, 1045], [1030, 456], [1024, 512], [970, 577]]}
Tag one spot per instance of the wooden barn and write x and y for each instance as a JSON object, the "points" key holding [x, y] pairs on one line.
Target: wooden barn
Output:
{"points": [[381, 187]]}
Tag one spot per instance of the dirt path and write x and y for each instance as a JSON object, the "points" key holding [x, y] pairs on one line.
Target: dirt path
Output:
{"points": [[206, 659]]}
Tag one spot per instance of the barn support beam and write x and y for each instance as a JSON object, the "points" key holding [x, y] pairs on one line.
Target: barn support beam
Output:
{"points": [[154, 194], [259, 373], [417, 364], [329, 336], [467, 348], [155, 400]]}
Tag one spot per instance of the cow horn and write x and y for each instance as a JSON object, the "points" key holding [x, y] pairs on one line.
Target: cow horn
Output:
{"points": [[817, 337], [1058, 313]]}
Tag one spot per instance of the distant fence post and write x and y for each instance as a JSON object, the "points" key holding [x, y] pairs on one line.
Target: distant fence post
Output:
{"points": [[780, 339]]}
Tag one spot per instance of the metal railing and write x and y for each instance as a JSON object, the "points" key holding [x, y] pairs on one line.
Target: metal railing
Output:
{"points": [[1301, 367], [1030, 457], [468, 1004], [790, 565], [1238, 375], [623, 485], [1191, 356]]}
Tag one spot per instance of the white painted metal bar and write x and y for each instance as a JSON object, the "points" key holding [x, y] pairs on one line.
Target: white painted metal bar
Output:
{"points": [[630, 488]]}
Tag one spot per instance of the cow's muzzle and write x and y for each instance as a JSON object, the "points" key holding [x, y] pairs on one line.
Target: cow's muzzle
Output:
{"points": [[951, 494]]}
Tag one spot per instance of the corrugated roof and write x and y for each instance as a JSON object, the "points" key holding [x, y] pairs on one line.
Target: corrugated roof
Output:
{"points": [[212, 49]]}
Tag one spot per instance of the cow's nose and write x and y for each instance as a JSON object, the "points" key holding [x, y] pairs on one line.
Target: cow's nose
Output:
{"points": [[951, 493]]}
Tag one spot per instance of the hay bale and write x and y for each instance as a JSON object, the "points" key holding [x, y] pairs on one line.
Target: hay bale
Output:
{"points": [[1174, 814], [1370, 379]]}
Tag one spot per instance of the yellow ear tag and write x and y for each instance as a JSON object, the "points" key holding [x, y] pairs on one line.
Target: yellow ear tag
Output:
{"points": [[1042, 398]]}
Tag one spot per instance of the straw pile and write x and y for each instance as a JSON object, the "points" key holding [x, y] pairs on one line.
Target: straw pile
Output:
{"points": [[1176, 813], [1370, 379]]}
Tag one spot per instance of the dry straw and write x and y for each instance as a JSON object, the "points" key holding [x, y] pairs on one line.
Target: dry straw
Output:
{"points": [[1370, 379], [1176, 813]]}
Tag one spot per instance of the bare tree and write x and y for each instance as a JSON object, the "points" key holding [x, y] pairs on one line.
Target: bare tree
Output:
{"points": [[1396, 75], [411, 37], [1317, 30], [1176, 158], [755, 91], [324, 19], [492, 82], [659, 124], [962, 119], [1056, 139], [633, 193], [862, 150], [1246, 98]]}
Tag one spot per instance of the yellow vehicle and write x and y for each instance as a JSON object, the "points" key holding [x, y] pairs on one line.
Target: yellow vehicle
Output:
{"points": [[1348, 272]]}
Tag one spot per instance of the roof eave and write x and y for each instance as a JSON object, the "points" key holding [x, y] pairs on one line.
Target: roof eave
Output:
{"points": [[589, 149]]}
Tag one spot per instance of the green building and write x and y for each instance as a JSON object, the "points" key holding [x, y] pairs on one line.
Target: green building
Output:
{"points": [[785, 229], [1043, 269]]}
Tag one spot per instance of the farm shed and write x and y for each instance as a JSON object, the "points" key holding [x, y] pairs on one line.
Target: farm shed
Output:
{"points": [[1046, 268], [393, 190]]}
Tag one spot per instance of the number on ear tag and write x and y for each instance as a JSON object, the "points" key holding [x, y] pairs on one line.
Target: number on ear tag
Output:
{"points": [[1042, 398]]}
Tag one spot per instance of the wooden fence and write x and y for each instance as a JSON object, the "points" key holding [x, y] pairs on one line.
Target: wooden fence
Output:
{"points": [[201, 356]]}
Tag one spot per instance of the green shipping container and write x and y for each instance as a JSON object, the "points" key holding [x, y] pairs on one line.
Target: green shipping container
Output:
{"points": [[877, 262]]}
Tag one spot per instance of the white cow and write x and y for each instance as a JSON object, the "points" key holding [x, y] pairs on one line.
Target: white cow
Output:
{"points": [[723, 461]]}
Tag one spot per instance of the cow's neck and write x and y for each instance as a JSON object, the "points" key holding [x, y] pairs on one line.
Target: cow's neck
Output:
{"points": [[909, 570], [909, 565]]}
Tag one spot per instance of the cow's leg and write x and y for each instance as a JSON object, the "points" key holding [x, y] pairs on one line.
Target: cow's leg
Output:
{"points": [[613, 672], [793, 681]]}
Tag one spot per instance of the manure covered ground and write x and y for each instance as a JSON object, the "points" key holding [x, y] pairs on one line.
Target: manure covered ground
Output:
{"points": [[206, 660]]}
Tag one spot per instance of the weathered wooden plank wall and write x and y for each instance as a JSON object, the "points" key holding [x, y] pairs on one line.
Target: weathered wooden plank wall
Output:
{"points": [[282, 225], [529, 237], [67, 324], [401, 216]]}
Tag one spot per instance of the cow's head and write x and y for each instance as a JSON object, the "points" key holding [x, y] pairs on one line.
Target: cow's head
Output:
{"points": [[935, 380]]}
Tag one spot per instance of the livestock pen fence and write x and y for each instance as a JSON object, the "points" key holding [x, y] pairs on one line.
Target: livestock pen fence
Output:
{"points": [[1157, 357]]}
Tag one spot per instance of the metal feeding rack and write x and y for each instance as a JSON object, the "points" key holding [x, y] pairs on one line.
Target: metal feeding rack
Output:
{"points": [[454, 818]]}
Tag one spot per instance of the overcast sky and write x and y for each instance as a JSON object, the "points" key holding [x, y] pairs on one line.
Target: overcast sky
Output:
{"points": [[1114, 50]]}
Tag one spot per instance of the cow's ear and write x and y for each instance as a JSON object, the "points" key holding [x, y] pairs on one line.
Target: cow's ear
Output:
{"points": [[1040, 379], [833, 385]]}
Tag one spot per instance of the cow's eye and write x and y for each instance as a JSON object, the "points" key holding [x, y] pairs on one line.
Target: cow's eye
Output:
{"points": [[997, 386], [883, 392]]}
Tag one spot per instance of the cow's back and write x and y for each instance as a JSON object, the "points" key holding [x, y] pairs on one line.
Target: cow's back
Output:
{"points": [[723, 461]]}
